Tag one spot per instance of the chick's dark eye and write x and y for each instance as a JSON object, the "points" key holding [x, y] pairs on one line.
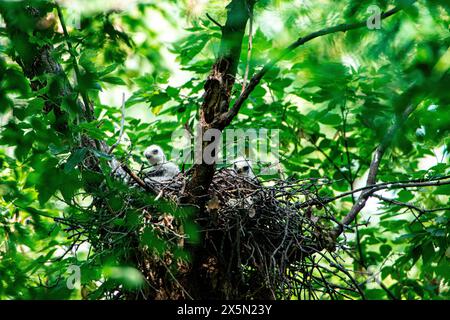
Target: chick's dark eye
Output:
{"points": [[245, 168], [155, 151]]}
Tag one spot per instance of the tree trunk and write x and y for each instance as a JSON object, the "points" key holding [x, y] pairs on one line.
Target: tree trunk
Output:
{"points": [[210, 276]]}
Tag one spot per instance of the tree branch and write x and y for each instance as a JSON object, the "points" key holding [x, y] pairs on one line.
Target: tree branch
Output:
{"points": [[214, 21], [409, 205], [373, 170], [249, 50], [217, 96], [377, 187], [137, 179], [36, 59], [226, 118]]}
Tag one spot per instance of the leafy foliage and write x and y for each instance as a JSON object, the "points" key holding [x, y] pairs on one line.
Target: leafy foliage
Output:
{"points": [[333, 99]]}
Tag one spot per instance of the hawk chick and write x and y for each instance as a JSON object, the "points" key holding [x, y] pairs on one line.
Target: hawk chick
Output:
{"points": [[244, 168], [162, 170]]}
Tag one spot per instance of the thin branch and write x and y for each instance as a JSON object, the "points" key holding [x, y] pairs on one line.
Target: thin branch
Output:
{"points": [[226, 118], [122, 125], [378, 281], [373, 170], [344, 113], [214, 21], [331, 161], [178, 283], [380, 186], [409, 205], [137, 179]]}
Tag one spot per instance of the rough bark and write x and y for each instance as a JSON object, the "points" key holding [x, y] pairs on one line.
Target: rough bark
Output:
{"points": [[207, 279], [218, 92]]}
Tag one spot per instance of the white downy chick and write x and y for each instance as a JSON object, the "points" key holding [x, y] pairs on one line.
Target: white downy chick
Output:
{"points": [[244, 168], [162, 170]]}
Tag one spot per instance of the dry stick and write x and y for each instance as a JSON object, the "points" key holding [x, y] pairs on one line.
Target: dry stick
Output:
{"points": [[122, 125], [137, 179], [226, 118], [177, 282]]}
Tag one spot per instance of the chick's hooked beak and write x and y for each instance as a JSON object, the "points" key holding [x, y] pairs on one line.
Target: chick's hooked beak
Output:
{"points": [[154, 155]]}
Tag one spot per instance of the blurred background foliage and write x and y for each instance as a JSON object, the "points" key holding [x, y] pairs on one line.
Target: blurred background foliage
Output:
{"points": [[333, 100]]}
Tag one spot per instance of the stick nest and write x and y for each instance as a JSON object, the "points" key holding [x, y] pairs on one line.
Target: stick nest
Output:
{"points": [[265, 239], [257, 240]]}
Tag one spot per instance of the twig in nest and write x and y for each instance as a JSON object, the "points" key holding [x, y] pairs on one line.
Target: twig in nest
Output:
{"points": [[161, 193], [137, 179]]}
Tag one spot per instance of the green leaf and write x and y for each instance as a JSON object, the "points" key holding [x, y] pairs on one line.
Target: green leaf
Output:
{"points": [[159, 99], [331, 119], [385, 250], [70, 186], [428, 252], [154, 243], [442, 190], [75, 158], [405, 196], [114, 80], [130, 277], [107, 70]]}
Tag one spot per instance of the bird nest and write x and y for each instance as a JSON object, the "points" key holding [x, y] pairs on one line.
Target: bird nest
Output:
{"points": [[260, 240], [257, 240]]}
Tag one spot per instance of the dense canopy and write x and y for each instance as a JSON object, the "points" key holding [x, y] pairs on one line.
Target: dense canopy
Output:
{"points": [[351, 97]]}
